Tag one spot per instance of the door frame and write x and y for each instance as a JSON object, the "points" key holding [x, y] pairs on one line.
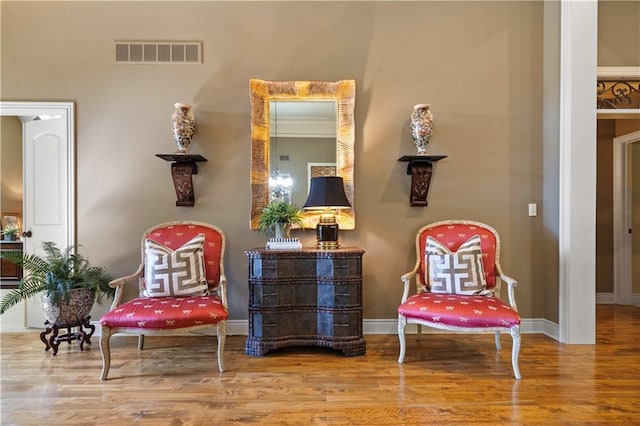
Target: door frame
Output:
{"points": [[622, 220], [66, 109], [28, 110]]}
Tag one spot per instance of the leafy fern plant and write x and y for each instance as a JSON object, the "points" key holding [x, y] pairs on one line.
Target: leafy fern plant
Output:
{"points": [[56, 273], [279, 213]]}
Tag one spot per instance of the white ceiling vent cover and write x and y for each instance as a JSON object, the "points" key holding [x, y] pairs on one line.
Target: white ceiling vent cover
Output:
{"points": [[158, 52]]}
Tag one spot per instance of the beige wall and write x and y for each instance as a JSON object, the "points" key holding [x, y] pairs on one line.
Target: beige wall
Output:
{"points": [[490, 129], [479, 65], [604, 206], [11, 165], [618, 33], [624, 127], [548, 274]]}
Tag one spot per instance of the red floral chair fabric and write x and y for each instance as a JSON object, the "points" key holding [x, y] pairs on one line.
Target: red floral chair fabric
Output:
{"points": [[163, 315], [456, 312]]}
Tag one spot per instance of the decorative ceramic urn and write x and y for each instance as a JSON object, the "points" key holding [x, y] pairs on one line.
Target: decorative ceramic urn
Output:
{"points": [[183, 123], [72, 312], [421, 126]]}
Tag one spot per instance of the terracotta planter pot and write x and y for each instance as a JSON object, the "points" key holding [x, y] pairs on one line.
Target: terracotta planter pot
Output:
{"points": [[78, 308]]}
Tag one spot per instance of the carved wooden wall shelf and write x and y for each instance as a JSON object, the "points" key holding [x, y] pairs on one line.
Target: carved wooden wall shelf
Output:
{"points": [[182, 169], [420, 168]]}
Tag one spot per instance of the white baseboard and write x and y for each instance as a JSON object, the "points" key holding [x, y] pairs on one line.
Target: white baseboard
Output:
{"points": [[373, 326], [605, 298], [610, 299], [390, 326], [551, 329]]}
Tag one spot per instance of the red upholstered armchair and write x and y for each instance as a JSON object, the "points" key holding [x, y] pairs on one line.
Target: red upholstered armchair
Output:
{"points": [[182, 287], [452, 258]]}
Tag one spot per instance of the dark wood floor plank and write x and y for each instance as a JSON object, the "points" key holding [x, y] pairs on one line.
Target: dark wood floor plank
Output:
{"points": [[446, 378]]}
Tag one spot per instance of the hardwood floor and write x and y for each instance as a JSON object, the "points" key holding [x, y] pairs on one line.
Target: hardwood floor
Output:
{"points": [[446, 378]]}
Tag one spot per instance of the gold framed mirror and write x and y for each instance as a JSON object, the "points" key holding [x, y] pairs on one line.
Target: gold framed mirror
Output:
{"points": [[264, 92]]}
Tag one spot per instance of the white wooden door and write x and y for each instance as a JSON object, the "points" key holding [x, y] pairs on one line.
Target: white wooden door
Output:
{"points": [[622, 218], [58, 133], [46, 195]]}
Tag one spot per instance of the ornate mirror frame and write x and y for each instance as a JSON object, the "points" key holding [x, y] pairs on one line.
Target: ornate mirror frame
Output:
{"points": [[262, 92]]}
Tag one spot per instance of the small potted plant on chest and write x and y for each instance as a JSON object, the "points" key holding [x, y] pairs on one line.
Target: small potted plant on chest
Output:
{"points": [[278, 217], [10, 233], [68, 282]]}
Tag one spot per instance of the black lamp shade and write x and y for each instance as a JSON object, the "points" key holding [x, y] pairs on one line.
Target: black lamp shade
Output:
{"points": [[327, 192]]}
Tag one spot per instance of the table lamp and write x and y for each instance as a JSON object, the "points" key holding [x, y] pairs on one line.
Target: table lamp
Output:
{"points": [[327, 194]]}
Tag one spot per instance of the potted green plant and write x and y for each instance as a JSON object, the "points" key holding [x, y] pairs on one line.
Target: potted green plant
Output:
{"points": [[9, 233], [68, 282], [278, 217]]}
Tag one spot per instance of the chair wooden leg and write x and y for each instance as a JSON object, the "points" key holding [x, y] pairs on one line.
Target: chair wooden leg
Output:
{"points": [[402, 323], [105, 335], [140, 342], [515, 352], [498, 345], [222, 337]]}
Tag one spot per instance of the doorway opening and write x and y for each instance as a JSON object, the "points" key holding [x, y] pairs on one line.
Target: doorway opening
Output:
{"points": [[621, 131], [48, 185]]}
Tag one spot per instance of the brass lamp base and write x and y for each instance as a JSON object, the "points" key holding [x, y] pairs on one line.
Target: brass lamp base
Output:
{"points": [[327, 245]]}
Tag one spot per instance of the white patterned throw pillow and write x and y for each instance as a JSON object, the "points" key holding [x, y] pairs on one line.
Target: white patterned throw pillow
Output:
{"points": [[460, 272], [177, 272]]}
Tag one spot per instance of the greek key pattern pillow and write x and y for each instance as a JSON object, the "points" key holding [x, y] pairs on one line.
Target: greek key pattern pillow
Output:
{"points": [[175, 273], [455, 273]]}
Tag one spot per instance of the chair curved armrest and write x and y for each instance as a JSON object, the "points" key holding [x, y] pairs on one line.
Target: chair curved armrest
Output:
{"points": [[119, 283], [511, 285], [222, 290], [122, 280], [406, 280]]}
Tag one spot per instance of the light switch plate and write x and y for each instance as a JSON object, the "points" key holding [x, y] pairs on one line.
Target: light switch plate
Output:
{"points": [[533, 209]]}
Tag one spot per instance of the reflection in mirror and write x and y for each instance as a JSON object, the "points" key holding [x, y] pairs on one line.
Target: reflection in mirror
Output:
{"points": [[302, 145], [299, 130]]}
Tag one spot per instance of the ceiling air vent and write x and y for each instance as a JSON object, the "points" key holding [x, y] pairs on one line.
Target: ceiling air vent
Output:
{"points": [[158, 52]]}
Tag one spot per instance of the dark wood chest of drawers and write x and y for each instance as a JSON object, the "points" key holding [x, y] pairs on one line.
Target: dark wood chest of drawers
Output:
{"points": [[305, 297], [10, 273]]}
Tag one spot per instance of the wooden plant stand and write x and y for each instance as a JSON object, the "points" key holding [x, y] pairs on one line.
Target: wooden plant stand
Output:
{"points": [[54, 340]]}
